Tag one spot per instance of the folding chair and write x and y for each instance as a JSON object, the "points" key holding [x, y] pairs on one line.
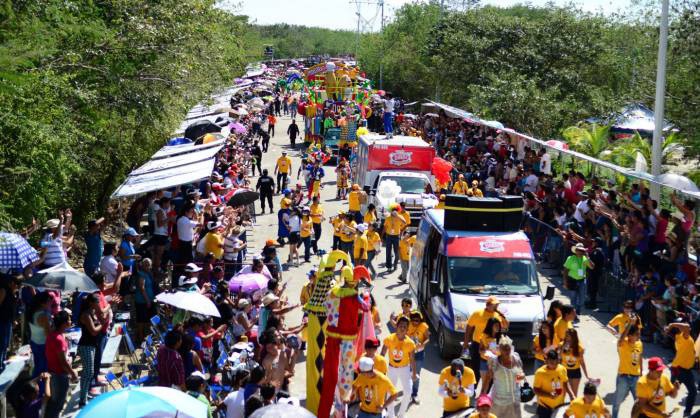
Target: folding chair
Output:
{"points": [[130, 348], [111, 379], [155, 326]]}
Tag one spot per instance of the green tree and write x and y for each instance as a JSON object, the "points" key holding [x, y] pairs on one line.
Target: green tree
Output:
{"points": [[626, 151]]}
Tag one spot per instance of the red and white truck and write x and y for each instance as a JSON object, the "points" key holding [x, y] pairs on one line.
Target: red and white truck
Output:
{"points": [[405, 160]]}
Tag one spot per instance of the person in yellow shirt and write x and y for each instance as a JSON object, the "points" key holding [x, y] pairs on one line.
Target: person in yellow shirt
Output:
{"points": [[441, 202], [371, 347], [483, 407], [419, 332], [373, 389], [628, 317], [475, 328], [568, 315], [306, 233], [652, 389], [684, 361], [360, 246], [475, 190], [374, 245], [402, 364], [355, 199], [460, 186], [393, 225], [571, 353], [370, 216], [405, 215], [406, 305], [337, 222], [286, 201], [317, 218], [214, 240], [629, 351], [282, 168], [488, 343], [308, 288], [587, 406], [456, 385], [543, 342], [347, 234], [342, 173], [405, 246], [551, 385]]}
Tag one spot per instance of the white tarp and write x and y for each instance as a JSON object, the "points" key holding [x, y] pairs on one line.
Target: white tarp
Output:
{"points": [[169, 151], [163, 179], [197, 155]]}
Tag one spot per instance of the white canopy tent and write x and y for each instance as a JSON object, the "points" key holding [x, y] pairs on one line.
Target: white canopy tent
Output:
{"points": [[454, 112]]}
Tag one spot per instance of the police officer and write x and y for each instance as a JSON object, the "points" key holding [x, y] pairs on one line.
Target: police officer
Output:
{"points": [[266, 186]]}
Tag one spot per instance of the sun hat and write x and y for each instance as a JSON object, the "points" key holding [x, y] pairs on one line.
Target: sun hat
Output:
{"points": [[578, 247], [361, 227], [192, 268], [269, 299], [184, 280], [53, 223], [243, 303]]}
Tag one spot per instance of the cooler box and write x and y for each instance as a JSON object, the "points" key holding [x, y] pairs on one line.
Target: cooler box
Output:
{"points": [[473, 213], [512, 212]]}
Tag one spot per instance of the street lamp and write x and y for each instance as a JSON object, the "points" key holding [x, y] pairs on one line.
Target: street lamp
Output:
{"points": [[659, 104]]}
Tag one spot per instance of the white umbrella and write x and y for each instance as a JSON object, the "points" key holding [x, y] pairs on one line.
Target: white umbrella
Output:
{"points": [[677, 181], [189, 301]]}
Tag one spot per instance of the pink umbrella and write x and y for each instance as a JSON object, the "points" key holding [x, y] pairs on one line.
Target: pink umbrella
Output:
{"points": [[557, 144], [247, 283], [238, 128]]}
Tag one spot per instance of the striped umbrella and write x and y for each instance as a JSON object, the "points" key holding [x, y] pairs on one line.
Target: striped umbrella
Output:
{"points": [[15, 252]]}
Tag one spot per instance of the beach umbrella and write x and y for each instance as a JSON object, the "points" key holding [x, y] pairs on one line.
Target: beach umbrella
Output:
{"points": [[256, 102], [141, 402], [247, 283], [282, 410], [200, 128], [242, 197], [15, 252], [677, 181], [63, 277], [189, 301], [238, 128], [560, 145], [178, 141]]}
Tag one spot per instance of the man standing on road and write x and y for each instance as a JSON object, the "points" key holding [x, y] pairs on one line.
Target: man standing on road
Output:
{"points": [[316, 210], [271, 121], [475, 329], [293, 131], [652, 390], [265, 140], [373, 389], [629, 350], [257, 153], [574, 274], [282, 169], [266, 186], [392, 232]]}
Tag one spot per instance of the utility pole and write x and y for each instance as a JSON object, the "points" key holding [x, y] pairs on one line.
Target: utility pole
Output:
{"points": [[381, 58], [660, 101]]}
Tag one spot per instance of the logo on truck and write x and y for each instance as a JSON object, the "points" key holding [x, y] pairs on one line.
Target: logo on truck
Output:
{"points": [[400, 157], [491, 246]]}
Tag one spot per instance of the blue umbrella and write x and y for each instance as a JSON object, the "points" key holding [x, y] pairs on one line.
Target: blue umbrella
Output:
{"points": [[142, 402], [178, 141], [15, 252]]}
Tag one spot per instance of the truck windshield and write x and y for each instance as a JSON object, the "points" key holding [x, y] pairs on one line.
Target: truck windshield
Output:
{"points": [[409, 185], [492, 275]]}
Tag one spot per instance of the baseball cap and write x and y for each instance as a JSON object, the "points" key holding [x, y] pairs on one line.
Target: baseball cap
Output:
{"points": [[131, 232], [371, 343], [184, 280], [362, 227], [492, 300], [366, 364], [656, 364], [483, 400], [192, 268], [271, 243], [311, 272]]}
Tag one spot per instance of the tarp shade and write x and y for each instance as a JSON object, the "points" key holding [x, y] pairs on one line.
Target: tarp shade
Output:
{"points": [[177, 160], [459, 113], [163, 179], [167, 152], [188, 122]]}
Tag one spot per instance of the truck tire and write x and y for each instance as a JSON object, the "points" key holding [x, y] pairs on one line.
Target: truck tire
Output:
{"points": [[449, 349]]}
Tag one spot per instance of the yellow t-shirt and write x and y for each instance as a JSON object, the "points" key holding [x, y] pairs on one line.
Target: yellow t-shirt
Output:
{"points": [[369, 218], [406, 217], [460, 187], [569, 359], [630, 355], [578, 408], [284, 164], [418, 333], [285, 203], [374, 241], [316, 212], [457, 400], [551, 381], [214, 243], [655, 391], [560, 327], [620, 322], [305, 294], [336, 226], [399, 351], [476, 415], [373, 391], [360, 244], [405, 246], [392, 225], [685, 352], [306, 228], [476, 192], [345, 234], [539, 355], [478, 320], [354, 201], [380, 364]]}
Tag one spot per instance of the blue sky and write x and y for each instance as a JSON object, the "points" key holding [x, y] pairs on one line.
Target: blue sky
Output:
{"points": [[341, 14]]}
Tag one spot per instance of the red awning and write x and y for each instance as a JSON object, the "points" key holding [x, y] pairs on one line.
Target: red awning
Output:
{"points": [[490, 246]]}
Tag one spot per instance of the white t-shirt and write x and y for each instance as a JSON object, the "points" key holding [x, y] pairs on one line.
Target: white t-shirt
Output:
{"points": [[161, 230], [389, 105], [234, 404], [531, 183], [232, 246], [581, 209], [294, 223], [108, 266], [185, 228], [521, 148], [546, 164]]}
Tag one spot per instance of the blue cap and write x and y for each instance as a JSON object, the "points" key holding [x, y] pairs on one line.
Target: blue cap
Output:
{"points": [[131, 232], [285, 191]]}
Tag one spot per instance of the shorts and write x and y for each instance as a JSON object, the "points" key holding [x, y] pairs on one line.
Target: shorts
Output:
{"points": [[143, 313], [159, 240], [573, 373], [294, 238]]}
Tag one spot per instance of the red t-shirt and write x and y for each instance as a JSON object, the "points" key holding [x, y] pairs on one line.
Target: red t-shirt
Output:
{"points": [[661, 226], [55, 345]]}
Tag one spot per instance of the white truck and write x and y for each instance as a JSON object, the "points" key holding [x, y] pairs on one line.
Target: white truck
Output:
{"points": [[405, 160]]}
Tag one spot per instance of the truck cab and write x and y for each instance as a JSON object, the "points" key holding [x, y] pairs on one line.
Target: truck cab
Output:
{"points": [[452, 272], [412, 194]]}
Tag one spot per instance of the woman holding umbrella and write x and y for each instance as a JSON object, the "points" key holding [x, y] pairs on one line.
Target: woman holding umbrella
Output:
{"points": [[90, 327]]}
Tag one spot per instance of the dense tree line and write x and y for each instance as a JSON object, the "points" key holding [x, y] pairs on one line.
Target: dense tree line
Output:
{"points": [[540, 70], [292, 41]]}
